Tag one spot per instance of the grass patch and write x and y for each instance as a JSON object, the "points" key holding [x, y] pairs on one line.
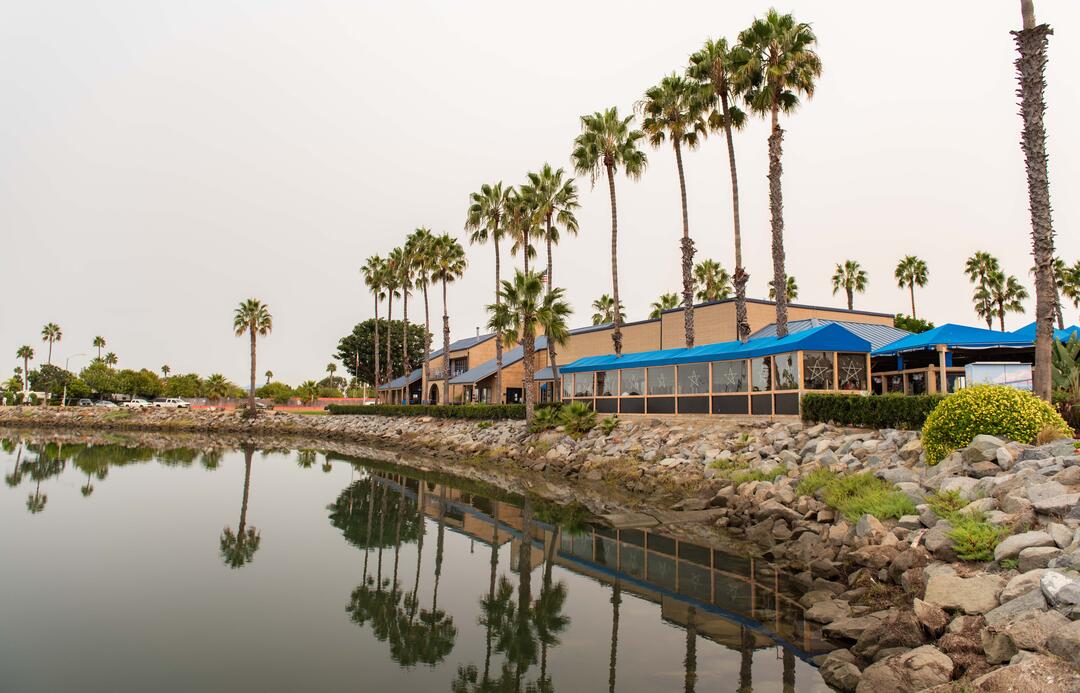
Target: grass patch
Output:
{"points": [[815, 481], [975, 539], [484, 424], [945, 504], [865, 494]]}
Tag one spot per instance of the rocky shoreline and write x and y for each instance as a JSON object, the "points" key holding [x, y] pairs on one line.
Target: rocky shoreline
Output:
{"points": [[914, 616]]}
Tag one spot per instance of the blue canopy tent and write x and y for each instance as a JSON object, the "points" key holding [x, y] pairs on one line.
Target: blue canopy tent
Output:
{"points": [[1028, 332]]}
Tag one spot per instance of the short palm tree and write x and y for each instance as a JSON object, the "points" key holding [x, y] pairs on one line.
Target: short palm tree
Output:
{"points": [[665, 302], [374, 272], [713, 65], [792, 292], [606, 143], [26, 353], [165, 370], [99, 344], [851, 278], [216, 387], [486, 223], [448, 265], [979, 268], [51, 333], [1003, 294], [777, 63], [269, 376], [674, 110], [401, 260], [421, 245], [525, 307], [308, 391], [712, 281], [604, 308], [252, 316], [110, 359], [911, 272], [331, 369]]}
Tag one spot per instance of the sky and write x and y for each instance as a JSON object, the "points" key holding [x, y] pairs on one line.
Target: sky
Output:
{"points": [[162, 161]]}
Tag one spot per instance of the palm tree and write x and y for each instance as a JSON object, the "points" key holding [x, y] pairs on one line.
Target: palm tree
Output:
{"points": [[391, 280], [1070, 284], [1001, 294], [252, 316], [51, 333], [792, 292], [26, 353], [374, 272], [674, 110], [99, 344], [448, 265], [238, 548], [404, 267], [308, 391], [665, 302], [269, 376], [1031, 43], [217, 387], [852, 278], [110, 359], [524, 308], [713, 65], [165, 370], [522, 224], [607, 142], [331, 368], [779, 64], [979, 268], [486, 220], [712, 280], [420, 244], [605, 311], [911, 272]]}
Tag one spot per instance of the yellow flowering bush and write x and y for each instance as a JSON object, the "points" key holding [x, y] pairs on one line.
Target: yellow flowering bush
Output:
{"points": [[995, 410]]}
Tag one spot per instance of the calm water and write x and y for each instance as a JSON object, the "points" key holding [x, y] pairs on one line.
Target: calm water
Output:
{"points": [[130, 569]]}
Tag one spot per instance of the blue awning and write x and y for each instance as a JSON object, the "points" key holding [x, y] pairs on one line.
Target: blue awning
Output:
{"points": [[954, 336], [1028, 331], [828, 337]]}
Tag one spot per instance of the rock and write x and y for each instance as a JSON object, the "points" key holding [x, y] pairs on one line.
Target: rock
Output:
{"points": [[916, 670], [897, 475], [910, 522], [902, 629], [1030, 673], [1005, 458], [974, 595], [932, 618], [1046, 489], [1027, 630], [981, 470], [813, 597], [1065, 642], [869, 525], [1059, 590], [1021, 584], [828, 611], [1011, 547], [840, 674], [852, 628], [939, 543], [1057, 505], [962, 485], [982, 447], [1062, 535], [1035, 557], [1033, 600]]}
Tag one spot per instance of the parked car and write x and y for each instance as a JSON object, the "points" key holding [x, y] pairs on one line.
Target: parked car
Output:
{"points": [[171, 403], [105, 404], [85, 403], [136, 403]]}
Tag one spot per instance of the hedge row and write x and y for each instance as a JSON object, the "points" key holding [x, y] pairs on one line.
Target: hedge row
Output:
{"points": [[874, 411], [489, 412]]}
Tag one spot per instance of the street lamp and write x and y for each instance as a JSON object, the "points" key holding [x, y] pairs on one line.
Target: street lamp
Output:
{"points": [[63, 398]]}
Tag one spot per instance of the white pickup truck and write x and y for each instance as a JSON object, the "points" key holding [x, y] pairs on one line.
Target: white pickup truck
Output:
{"points": [[136, 403], [171, 403]]}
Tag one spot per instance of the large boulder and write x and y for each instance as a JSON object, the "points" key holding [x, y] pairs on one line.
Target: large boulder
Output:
{"points": [[1035, 557], [1022, 584], [901, 630], [828, 610], [914, 670], [1034, 599], [1027, 630], [1065, 642], [1010, 547], [1030, 673], [1060, 591], [933, 618], [840, 671], [853, 628], [974, 595]]}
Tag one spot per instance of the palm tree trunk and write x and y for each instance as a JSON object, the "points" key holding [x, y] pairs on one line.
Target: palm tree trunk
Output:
{"points": [[49, 360], [550, 342], [788, 677], [616, 599], [25, 373], [528, 363], [616, 332], [746, 661], [498, 399], [911, 288], [1031, 43], [687, 254], [1001, 316], [690, 661], [248, 452], [446, 346], [378, 343], [776, 208], [850, 299], [427, 342], [405, 341], [251, 392], [389, 333], [742, 322]]}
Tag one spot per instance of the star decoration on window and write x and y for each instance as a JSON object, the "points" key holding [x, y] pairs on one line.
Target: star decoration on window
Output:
{"points": [[819, 372], [851, 374]]}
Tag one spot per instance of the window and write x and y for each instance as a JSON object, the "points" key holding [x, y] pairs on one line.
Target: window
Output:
{"points": [[633, 382], [662, 380], [567, 386], [583, 385], [761, 374], [787, 371], [607, 383], [852, 371], [818, 370], [917, 383], [729, 376], [694, 379]]}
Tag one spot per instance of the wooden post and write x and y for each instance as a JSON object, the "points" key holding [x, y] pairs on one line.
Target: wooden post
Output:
{"points": [[942, 350]]}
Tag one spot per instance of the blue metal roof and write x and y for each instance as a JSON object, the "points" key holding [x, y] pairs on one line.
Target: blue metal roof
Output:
{"points": [[1028, 331], [487, 369], [828, 337], [956, 337], [401, 381], [877, 335], [467, 343]]}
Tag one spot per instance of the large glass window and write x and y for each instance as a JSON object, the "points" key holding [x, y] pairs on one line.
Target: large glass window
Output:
{"points": [[607, 383], [852, 371], [694, 379], [633, 382], [787, 371], [583, 385], [761, 374], [662, 380], [817, 369], [729, 376], [567, 386]]}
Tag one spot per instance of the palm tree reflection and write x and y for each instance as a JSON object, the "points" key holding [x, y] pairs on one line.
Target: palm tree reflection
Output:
{"points": [[238, 548]]}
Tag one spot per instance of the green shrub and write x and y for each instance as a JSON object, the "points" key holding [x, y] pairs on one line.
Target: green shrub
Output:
{"points": [[945, 503], [865, 494], [484, 424], [995, 410], [974, 538], [545, 419], [609, 424], [577, 417], [814, 481], [869, 411], [491, 412]]}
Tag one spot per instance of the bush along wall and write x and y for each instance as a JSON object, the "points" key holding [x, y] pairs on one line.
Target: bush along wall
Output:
{"points": [[490, 412], [874, 411]]}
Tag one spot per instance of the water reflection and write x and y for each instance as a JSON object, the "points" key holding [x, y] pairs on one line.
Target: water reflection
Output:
{"points": [[238, 548]]}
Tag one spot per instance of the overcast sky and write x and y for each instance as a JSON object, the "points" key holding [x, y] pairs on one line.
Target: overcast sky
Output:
{"points": [[161, 161]]}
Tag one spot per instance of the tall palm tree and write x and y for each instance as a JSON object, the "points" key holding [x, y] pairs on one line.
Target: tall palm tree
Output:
{"points": [[607, 142], [238, 548], [1001, 294], [374, 273], [110, 359], [486, 220], [392, 284], [401, 259], [674, 110], [165, 370], [979, 267], [911, 272], [421, 244], [51, 333], [448, 265], [26, 353], [714, 65], [1031, 43], [712, 281], [524, 308], [99, 344], [252, 316], [665, 302], [790, 294], [269, 376], [851, 278], [522, 224], [779, 64], [604, 308]]}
